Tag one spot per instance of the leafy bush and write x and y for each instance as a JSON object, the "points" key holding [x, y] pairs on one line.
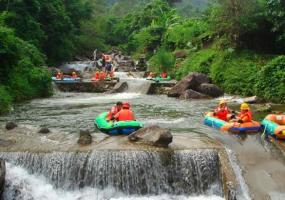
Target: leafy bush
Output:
{"points": [[5, 99], [200, 61], [163, 60], [271, 80], [181, 35]]}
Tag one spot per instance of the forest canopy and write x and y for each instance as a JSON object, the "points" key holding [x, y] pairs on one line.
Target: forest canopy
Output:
{"points": [[227, 39]]}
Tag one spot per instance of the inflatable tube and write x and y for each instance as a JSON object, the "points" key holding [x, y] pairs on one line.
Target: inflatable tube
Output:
{"points": [[157, 79], [168, 78], [116, 128], [274, 125], [66, 79], [106, 79], [234, 127]]}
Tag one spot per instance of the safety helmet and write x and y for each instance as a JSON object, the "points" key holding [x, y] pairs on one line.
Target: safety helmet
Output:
{"points": [[73, 72], [126, 105], [222, 102], [244, 106]]}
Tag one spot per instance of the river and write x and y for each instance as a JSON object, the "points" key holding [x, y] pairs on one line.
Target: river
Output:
{"points": [[252, 157]]}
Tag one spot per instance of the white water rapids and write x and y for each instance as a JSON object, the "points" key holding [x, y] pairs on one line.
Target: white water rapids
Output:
{"points": [[25, 186]]}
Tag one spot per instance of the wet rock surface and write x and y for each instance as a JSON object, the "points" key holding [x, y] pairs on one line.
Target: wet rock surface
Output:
{"points": [[192, 81], [152, 135], [2, 176], [10, 125], [210, 90], [191, 94], [195, 86], [91, 87], [119, 87], [85, 138], [253, 100], [44, 130]]}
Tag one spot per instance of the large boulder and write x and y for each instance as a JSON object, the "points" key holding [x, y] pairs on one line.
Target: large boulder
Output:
{"points": [[152, 135], [85, 138], [120, 87], [191, 94], [2, 176], [10, 125], [253, 99], [210, 90], [192, 81]]}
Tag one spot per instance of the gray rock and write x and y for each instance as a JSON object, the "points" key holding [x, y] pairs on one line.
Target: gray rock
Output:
{"points": [[264, 108], [85, 138], [11, 125], [191, 94], [44, 130], [120, 87], [2, 176], [152, 135], [210, 90], [253, 100], [192, 81]]}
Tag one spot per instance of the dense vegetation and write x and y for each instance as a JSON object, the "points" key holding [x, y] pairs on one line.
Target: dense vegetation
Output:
{"points": [[239, 43], [35, 34]]}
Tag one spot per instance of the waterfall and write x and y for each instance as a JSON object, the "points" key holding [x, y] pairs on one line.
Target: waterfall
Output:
{"points": [[130, 172], [136, 84]]}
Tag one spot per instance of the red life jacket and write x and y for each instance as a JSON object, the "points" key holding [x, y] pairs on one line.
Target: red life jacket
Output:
{"points": [[125, 115], [222, 113], [163, 75]]}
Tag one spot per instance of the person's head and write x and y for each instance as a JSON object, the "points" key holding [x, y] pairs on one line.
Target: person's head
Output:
{"points": [[126, 105], [119, 104], [73, 73], [222, 103], [244, 107]]}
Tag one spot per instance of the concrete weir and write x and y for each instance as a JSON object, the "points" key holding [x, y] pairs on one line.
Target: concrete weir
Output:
{"points": [[86, 86], [191, 164]]}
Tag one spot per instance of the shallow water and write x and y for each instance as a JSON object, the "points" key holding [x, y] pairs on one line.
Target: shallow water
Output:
{"points": [[69, 112]]}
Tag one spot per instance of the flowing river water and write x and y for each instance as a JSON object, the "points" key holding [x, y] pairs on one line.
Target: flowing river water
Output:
{"points": [[251, 156]]}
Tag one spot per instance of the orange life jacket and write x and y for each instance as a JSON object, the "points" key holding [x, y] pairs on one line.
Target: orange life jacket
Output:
{"points": [[246, 116], [125, 115], [114, 110], [102, 76]]}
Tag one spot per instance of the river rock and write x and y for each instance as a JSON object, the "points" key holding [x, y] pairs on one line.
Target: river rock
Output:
{"points": [[152, 135], [85, 138], [264, 108], [2, 176], [44, 130], [11, 125], [253, 100], [191, 94], [120, 87], [210, 90], [192, 81]]}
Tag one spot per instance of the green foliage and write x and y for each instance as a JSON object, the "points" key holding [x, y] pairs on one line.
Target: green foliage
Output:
{"points": [[271, 80], [181, 35], [162, 61], [5, 99], [21, 70], [200, 61]]}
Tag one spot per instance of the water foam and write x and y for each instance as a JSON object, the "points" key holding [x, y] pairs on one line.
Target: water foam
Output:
{"points": [[20, 185]]}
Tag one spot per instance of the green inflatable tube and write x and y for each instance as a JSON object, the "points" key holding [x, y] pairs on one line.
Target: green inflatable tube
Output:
{"points": [[115, 128]]}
